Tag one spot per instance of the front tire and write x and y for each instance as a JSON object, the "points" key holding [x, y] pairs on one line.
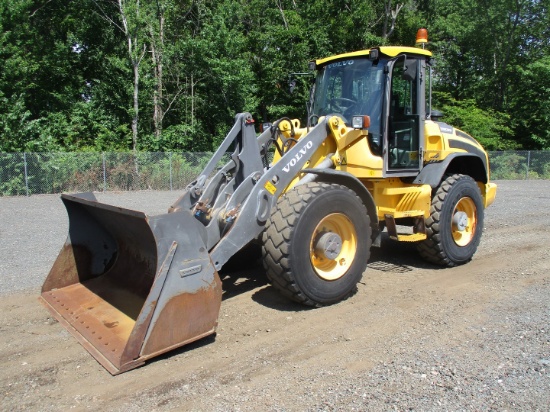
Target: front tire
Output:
{"points": [[455, 224], [317, 243]]}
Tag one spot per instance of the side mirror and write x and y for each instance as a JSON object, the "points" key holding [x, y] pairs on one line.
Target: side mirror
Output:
{"points": [[435, 115], [409, 73], [293, 79], [292, 85]]}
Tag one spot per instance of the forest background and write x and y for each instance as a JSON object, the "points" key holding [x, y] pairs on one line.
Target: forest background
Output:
{"points": [[170, 75]]}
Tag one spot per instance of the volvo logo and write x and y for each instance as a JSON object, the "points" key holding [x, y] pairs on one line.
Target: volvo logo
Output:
{"points": [[297, 157], [341, 64]]}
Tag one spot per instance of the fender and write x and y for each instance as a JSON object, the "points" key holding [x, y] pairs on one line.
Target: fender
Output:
{"points": [[350, 181], [432, 173]]}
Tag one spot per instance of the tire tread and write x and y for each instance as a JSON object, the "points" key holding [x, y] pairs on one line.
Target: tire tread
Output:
{"points": [[432, 249], [277, 238]]}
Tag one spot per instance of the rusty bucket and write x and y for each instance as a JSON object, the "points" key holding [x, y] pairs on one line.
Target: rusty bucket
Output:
{"points": [[129, 286]]}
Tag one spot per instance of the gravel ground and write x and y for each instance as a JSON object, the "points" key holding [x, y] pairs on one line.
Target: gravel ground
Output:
{"points": [[413, 337], [33, 230]]}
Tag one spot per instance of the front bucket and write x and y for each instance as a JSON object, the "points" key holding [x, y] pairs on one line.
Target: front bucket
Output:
{"points": [[130, 287]]}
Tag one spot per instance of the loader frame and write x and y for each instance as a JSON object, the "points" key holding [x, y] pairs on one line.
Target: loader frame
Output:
{"points": [[240, 196]]}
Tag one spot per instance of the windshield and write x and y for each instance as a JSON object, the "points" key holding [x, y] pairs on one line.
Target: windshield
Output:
{"points": [[351, 87]]}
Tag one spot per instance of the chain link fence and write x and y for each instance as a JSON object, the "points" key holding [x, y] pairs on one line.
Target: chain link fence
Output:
{"points": [[520, 165], [40, 173]]}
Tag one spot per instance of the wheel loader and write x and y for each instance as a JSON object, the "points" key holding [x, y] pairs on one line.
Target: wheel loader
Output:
{"points": [[372, 159]]}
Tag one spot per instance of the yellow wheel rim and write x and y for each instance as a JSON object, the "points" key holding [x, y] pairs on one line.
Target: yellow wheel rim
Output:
{"points": [[464, 221], [333, 246]]}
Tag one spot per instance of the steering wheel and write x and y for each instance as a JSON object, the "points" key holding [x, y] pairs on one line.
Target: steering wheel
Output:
{"points": [[344, 102]]}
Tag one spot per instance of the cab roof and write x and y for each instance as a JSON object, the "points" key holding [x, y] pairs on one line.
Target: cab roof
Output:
{"points": [[390, 51]]}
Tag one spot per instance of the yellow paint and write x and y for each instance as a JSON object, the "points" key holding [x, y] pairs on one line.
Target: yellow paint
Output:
{"points": [[414, 237], [359, 160], [400, 200], [390, 51], [462, 236], [328, 147], [352, 154], [332, 269], [490, 193]]}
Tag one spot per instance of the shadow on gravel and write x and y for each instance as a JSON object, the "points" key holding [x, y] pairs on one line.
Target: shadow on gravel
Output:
{"points": [[271, 298], [250, 275], [244, 272], [236, 282], [400, 257], [179, 351]]}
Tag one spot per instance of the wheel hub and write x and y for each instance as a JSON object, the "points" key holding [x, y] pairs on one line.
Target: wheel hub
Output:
{"points": [[460, 220], [329, 245], [464, 221], [333, 246]]}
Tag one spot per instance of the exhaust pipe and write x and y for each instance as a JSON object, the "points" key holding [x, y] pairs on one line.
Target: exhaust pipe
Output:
{"points": [[129, 286]]}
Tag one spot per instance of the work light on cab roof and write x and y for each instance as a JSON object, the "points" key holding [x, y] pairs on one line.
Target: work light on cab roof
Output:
{"points": [[422, 37]]}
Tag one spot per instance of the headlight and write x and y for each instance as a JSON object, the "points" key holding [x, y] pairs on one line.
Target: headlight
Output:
{"points": [[360, 122]]}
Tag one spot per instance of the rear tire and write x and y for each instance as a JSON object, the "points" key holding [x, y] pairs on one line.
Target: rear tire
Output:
{"points": [[455, 224], [317, 243]]}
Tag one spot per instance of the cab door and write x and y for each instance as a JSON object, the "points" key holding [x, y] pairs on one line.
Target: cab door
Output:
{"points": [[404, 108]]}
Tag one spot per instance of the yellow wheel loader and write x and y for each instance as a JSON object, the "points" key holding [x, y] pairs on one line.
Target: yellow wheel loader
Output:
{"points": [[372, 158]]}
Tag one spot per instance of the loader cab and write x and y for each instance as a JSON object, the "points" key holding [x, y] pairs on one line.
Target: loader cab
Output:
{"points": [[388, 85]]}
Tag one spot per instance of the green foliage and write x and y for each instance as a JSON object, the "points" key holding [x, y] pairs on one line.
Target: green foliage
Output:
{"points": [[181, 137], [531, 103], [22, 174], [520, 165], [18, 131], [67, 74], [12, 174], [508, 166], [492, 129], [487, 53], [91, 171]]}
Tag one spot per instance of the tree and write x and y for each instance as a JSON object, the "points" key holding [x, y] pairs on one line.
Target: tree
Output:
{"points": [[52, 69], [131, 21], [492, 129], [171, 74], [481, 48], [530, 103], [390, 17]]}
